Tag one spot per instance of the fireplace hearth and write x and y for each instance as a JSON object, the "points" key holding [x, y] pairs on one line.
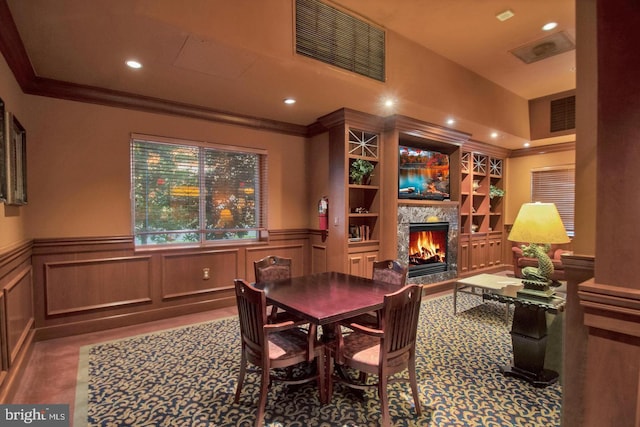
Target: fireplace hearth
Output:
{"points": [[428, 248]]}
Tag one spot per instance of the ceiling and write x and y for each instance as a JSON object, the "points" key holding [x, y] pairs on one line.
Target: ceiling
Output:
{"points": [[230, 56]]}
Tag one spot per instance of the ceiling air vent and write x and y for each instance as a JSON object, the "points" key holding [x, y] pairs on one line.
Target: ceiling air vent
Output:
{"points": [[544, 48], [563, 114], [333, 37]]}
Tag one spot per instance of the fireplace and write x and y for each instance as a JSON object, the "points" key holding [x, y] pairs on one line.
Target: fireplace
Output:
{"points": [[428, 248]]}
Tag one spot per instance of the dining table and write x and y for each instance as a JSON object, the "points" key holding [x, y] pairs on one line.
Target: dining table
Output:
{"points": [[327, 298]]}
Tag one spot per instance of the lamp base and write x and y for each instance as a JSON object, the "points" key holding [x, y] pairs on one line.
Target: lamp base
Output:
{"points": [[536, 289]]}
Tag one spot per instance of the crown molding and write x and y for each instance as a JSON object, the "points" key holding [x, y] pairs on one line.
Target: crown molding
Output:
{"points": [[14, 52]]}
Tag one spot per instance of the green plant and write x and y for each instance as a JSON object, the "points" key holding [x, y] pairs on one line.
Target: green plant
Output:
{"points": [[359, 169], [495, 191]]}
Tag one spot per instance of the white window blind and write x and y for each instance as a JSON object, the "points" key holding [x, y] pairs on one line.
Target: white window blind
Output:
{"points": [[556, 185], [189, 193]]}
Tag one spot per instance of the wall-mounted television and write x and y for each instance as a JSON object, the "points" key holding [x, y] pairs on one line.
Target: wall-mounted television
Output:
{"points": [[423, 174]]}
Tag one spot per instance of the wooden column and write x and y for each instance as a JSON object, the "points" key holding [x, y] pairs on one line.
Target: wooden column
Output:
{"points": [[611, 302]]}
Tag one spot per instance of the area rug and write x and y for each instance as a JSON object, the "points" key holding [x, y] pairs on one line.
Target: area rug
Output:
{"points": [[187, 377]]}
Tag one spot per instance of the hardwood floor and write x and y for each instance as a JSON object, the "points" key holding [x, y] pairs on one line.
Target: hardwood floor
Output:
{"points": [[50, 376]]}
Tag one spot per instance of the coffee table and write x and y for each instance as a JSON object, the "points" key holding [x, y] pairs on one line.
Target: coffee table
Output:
{"points": [[487, 283]]}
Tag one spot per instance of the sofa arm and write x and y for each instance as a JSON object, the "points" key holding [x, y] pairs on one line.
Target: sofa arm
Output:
{"points": [[557, 254]]}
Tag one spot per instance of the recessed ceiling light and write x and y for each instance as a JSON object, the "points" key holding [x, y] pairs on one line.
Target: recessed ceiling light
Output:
{"points": [[450, 121], [549, 26], [503, 16], [494, 134], [133, 64], [389, 103], [526, 144], [289, 101]]}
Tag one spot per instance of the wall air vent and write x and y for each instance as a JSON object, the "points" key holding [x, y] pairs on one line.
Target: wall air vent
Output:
{"points": [[546, 47], [331, 36], [563, 114]]}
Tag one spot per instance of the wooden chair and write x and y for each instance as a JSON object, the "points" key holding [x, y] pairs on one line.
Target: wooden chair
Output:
{"points": [[271, 268], [388, 271], [273, 345], [384, 352]]}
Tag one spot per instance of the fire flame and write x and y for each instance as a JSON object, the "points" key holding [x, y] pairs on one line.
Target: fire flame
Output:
{"points": [[425, 245]]}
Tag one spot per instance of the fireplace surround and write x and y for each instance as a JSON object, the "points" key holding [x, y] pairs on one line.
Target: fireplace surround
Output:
{"points": [[433, 213], [428, 248]]}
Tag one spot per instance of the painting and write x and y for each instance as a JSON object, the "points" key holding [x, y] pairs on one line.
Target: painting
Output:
{"points": [[16, 155]]}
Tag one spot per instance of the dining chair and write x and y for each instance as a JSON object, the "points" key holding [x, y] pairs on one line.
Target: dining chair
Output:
{"points": [[388, 271], [384, 351], [273, 345], [271, 268]]}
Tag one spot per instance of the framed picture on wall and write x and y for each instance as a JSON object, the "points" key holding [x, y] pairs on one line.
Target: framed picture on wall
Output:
{"points": [[3, 156], [16, 153]]}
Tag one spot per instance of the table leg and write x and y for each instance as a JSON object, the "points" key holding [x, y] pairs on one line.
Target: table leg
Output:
{"points": [[529, 339], [455, 298], [506, 315]]}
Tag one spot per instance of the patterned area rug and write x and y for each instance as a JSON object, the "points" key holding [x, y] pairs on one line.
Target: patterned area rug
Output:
{"points": [[187, 377]]}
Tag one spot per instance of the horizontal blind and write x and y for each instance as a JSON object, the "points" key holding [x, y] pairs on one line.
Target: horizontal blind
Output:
{"points": [[556, 186], [184, 193]]}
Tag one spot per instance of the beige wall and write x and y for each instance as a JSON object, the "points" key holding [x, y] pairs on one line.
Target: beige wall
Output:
{"points": [[79, 173], [13, 226], [518, 183]]}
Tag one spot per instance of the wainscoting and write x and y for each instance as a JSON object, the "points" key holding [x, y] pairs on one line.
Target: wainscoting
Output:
{"points": [[84, 285], [16, 314], [53, 288]]}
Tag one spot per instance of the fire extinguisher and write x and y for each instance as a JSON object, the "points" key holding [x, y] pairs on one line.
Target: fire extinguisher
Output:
{"points": [[323, 209]]}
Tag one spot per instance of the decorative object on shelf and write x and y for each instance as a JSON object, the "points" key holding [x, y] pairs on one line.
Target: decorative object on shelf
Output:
{"points": [[495, 191], [360, 171], [540, 224], [476, 185], [474, 228]]}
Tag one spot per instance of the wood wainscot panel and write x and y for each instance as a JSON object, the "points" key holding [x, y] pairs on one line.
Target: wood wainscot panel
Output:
{"points": [[193, 273], [318, 258], [294, 251], [612, 387], [18, 298], [85, 285], [4, 360]]}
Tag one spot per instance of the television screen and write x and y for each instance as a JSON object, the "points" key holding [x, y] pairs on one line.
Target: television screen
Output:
{"points": [[423, 174]]}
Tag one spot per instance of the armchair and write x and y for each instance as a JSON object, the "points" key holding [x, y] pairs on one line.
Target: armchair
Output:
{"points": [[555, 253]]}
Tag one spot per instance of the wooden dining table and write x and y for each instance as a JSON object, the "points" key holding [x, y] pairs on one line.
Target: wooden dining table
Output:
{"points": [[327, 298]]}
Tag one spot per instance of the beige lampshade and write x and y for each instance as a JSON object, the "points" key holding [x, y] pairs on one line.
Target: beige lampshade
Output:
{"points": [[538, 223]]}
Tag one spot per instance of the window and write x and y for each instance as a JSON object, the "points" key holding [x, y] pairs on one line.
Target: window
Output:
{"points": [[190, 193], [556, 185]]}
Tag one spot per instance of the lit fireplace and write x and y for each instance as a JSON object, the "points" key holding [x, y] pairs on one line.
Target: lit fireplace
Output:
{"points": [[428, 248]]}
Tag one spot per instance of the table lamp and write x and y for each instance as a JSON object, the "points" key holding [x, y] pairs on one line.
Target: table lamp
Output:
{"points": [[540, 225]]}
